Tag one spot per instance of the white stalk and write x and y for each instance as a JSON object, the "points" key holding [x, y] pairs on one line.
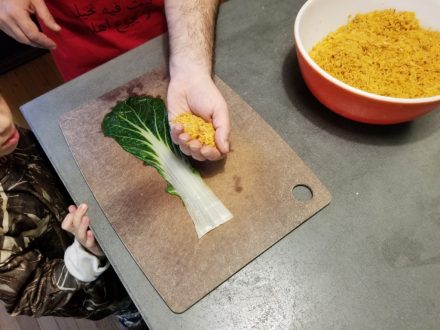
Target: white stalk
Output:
{"points": [[206, 210]]}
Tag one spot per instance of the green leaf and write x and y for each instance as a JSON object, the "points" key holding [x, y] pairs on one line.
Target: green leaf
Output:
{"points": [[139, 124]]}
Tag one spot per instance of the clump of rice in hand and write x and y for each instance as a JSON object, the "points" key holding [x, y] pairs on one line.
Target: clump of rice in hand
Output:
{"points": [[197, 128]]}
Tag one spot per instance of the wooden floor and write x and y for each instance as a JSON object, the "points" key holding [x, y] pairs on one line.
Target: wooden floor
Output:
{"points": [[18, 87], [27, 82]]}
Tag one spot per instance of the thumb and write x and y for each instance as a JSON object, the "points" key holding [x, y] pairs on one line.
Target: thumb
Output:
{"points": [[222, 140], [222, 125], [44, 14]]}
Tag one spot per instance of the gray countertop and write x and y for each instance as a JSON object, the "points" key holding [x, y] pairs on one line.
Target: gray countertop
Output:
{"points": [[371, 259]]}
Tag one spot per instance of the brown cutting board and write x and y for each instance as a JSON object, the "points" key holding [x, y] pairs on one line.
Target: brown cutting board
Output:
{"points": [[255, 182]]}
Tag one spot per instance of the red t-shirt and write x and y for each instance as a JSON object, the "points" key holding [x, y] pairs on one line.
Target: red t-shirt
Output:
{"points": [[95, 31]]}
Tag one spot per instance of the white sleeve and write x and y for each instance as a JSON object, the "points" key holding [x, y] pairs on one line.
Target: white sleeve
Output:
{"points": [[82, 264]]}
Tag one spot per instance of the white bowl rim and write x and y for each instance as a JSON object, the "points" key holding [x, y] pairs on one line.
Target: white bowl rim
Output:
{"points": [[312, 63]]}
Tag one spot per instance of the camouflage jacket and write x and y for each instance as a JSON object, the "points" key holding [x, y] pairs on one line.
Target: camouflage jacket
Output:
{"points": [[33, 277]]}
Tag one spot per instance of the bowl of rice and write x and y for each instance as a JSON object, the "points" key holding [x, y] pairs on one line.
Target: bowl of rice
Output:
{"points": [[375, 61]]}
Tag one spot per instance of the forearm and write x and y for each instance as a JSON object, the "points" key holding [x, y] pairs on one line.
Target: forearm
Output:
{"points": [[28, 280], [50, 287], [191, 28], [32, 285]]}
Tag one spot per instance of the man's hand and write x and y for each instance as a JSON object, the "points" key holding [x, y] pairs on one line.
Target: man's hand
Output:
{"points": [[198, 94], [191, 29], [77, 223], [15, 21]]}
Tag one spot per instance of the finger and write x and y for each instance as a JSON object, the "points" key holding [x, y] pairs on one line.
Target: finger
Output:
{"points": [[182, 141], [185, 149], [92, 245], [67, 222], [30, 30], [210, 153], [90, 239], [222, 125], [222, 139], [44, 14], [81, 233], [184, 138], [195, 146], [78, 215], [12, 30], [176, 130], [72, 208], [199, 158]]}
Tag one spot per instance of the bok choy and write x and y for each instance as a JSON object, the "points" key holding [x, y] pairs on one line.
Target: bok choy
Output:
{"points": [[140, 126]]}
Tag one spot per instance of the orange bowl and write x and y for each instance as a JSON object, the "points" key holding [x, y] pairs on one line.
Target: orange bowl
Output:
{"points": [[316, 19]]}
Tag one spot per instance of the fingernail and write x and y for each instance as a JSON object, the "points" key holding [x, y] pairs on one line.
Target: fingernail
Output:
{"points": [[82, 206]]}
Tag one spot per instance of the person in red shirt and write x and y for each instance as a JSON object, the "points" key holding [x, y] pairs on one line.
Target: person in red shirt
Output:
{"points": [[83, 34]]}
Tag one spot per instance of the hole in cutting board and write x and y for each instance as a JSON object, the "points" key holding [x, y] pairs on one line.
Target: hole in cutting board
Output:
{"points": [[302, 193]]}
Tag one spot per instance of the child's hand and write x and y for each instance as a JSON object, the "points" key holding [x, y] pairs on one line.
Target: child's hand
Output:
{"points": [[77, 223]]}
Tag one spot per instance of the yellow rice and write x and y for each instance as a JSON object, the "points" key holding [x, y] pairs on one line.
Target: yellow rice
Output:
{"points": [[383, 52], [197, 128]]}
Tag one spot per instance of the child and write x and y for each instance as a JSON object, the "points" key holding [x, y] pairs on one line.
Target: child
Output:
{"points": [[45, 270]]}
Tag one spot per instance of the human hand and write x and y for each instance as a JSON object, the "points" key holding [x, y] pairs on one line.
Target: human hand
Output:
{"points": [[15, 21], [197, 94], [77, 223]]}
